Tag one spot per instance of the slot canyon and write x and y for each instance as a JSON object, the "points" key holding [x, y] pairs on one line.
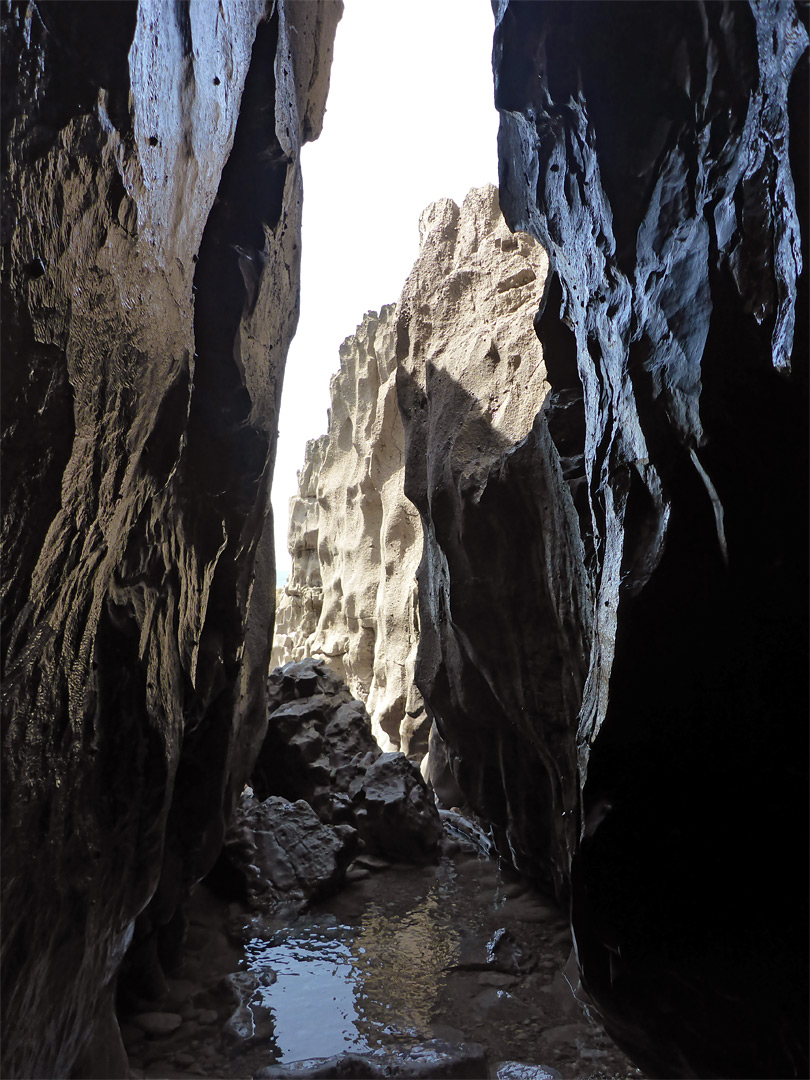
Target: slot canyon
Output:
{"points": [[513, 769]]}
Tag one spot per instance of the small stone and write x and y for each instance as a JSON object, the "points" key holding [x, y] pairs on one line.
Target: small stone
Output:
{"points": [[208, 1016], [371, 862], [357, 874], [155, 1024], [521, 1070], [184, 1060]]}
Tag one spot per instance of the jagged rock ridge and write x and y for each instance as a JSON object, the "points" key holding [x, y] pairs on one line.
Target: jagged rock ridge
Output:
{"points": [[464, 317], [151, 222]]}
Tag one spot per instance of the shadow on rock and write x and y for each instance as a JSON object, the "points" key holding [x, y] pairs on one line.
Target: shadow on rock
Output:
{"points": [[322, 791]]}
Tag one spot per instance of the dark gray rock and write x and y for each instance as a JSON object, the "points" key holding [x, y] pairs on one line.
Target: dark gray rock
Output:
{"points": [[319, 748], [613, 627], [394, 810], [434, 1060], [140, 399], [522, 1070], [284, 853]]}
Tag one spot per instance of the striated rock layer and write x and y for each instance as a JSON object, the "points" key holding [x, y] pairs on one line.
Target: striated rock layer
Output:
{"points": [[464, 322], [624, 591], [355, 543], [151, 212]]}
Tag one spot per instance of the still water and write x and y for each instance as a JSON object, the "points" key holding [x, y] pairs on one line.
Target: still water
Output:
{"points": [[360, 985]]}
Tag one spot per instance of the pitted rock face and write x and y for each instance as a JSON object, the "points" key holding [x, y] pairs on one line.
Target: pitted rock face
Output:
{"points": [[354, 538], [499, 663], [659, 152], [151, 212]]}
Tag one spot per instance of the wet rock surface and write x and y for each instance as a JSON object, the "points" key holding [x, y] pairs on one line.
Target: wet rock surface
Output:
{"points": [[150, 258], [284, 853], [435, 1059], [319, 747], [654, 620], [354, 537], [410, 964]]}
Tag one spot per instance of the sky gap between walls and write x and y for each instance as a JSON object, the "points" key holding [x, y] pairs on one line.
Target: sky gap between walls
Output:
{"points": [[409, 119]]}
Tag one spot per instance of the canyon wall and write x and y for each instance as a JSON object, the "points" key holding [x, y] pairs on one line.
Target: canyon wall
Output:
{"points": [[464, 319], [613, 609], [151, 233], [353, 540]]}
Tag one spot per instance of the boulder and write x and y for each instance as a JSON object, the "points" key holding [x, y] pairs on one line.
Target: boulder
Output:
{"points": [[319, 747], [284, 853], [394, 810]]}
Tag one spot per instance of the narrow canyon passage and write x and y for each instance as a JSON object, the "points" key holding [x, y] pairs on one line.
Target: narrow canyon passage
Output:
{"points": [[532, 711]]}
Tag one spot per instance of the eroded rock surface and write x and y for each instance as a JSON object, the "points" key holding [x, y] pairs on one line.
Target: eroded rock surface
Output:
{"points": [[622, 593], [355, 539], [355, 544], [499, 659], [284, 853], [319, 748], [151, 212], [431, 1061]]}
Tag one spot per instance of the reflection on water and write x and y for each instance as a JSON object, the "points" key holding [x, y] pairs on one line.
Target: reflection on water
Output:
{"points": [[358, 987]]}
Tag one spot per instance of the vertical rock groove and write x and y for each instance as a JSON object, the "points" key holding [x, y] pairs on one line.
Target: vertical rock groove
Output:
{"points": [[653, 150], [151, 233]]}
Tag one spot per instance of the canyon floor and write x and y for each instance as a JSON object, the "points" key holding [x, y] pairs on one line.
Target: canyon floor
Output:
{"points": [[460, 951]]}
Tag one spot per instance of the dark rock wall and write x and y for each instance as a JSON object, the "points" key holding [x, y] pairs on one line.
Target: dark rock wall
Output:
{"points": [[628, 593], [151, 212]]}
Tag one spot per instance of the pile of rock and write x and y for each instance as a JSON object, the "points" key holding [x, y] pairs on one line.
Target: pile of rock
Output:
{"points": [[323, 791]]}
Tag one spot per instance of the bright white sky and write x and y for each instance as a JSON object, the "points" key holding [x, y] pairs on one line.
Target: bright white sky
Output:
{"points": [[409, 119]]}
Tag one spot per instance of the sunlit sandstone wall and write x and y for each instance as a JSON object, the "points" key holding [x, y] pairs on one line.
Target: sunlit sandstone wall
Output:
{"points": [[465, 313]]}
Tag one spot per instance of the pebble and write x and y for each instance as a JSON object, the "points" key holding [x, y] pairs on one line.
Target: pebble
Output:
{"points": [[357, 874], [155, 1024], [184, 1059], [208, 1016], [371, 862], [495, 978]]}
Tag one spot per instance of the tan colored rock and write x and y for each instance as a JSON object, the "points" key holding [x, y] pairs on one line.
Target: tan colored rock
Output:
{"points": [[355, 542], [465, 316], [466, 313], [298, 604]]}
